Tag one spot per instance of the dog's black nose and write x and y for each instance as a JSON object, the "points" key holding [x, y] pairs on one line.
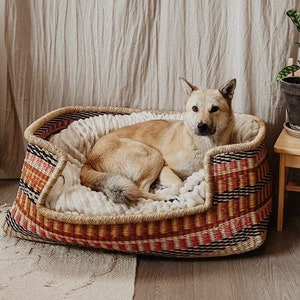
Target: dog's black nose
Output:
{"points": [[203, 128]]}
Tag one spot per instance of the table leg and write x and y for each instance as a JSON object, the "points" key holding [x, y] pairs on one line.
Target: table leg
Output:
{"points": [[281, 192]]}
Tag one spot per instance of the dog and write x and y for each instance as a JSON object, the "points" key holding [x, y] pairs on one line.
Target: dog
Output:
{"points": [[124, 163]]}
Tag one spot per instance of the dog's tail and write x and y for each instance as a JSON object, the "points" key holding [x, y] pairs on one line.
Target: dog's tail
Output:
{"points": [[116, 187]]}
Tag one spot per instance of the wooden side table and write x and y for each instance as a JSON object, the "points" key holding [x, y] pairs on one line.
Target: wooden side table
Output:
{"points": [[289, 149]]}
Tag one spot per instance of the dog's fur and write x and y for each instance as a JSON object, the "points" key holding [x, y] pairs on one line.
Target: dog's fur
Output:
{"points": [[124, 163]]}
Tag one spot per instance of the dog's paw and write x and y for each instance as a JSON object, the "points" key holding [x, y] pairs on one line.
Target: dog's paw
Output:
{"points": [[168, 194], [172, 199]]}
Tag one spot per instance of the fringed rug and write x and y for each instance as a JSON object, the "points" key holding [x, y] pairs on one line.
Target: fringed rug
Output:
{"points": [[31, 270]]}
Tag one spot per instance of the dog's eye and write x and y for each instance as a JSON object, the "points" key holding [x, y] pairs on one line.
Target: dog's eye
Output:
{"points": [[214, 109], [195, 108]]}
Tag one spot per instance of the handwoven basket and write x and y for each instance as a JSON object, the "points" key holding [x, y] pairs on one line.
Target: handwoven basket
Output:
{"points": [[233, 219]]}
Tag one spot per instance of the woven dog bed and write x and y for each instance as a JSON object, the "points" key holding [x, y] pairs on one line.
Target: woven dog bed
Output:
{"points": [[232, 219]]}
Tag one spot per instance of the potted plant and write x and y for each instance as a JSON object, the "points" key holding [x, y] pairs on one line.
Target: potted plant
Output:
{"points": [[290, 86]]}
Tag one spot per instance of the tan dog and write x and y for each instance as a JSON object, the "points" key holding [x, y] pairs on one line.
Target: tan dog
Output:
{"points": [[124, 163]]}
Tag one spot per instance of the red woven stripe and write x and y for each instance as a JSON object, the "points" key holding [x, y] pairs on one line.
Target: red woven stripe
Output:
{"points": [[240, 178], [158, 246], [241, 164], [34, 177], [117, 233], [38, 163], [148, 245], [54, 128], [170, 245], [195, 241]]}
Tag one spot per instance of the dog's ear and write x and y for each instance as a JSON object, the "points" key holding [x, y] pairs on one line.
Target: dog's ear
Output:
{"points": [[227, 89], [187, 87]]}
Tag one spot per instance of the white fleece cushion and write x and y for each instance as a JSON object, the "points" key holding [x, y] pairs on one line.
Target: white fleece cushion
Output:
{"points": [[77, 140]]}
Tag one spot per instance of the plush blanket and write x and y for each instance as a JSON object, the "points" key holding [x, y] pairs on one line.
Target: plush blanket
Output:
{"points": [[69, 196]]}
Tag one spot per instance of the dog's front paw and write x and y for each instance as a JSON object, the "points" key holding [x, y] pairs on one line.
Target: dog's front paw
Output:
{"points": [[168, 196], [174, 190], [171, 199]]}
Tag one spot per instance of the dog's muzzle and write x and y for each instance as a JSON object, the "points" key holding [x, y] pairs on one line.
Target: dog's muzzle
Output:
{"points": [[204, 129]]}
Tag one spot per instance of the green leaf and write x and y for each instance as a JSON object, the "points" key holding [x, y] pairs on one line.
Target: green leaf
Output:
{"points": [[295, 17], [286, 71]]}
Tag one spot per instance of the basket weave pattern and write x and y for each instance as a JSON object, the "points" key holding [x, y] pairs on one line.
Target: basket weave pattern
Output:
{"points": [[235, 222]]}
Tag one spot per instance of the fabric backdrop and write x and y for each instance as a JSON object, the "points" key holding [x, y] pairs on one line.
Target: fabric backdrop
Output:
{"points": [[131, 53]]}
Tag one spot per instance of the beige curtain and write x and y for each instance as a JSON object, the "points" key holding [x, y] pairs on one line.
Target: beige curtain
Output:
{"points": [[131, 53]]}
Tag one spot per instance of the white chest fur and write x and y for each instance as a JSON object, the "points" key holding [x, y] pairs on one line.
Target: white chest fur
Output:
{"points": [[189, 158]]}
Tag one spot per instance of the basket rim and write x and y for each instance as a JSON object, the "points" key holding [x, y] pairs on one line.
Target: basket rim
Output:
{"points": [[61, 157]]}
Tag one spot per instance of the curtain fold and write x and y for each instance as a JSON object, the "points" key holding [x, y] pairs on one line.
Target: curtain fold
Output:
{"points": [[131, 53]]}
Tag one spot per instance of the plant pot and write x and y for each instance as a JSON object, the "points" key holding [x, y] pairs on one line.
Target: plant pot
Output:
{"points": [[290, 87]]}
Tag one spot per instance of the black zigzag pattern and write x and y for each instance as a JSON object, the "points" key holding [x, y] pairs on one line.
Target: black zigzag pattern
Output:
{"points": [[243, 191], [46, 156], [67, 119], [242, 236], [29, 191], [18, 228], [230, 156]]}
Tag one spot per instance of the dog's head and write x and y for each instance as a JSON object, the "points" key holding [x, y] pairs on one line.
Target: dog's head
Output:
{"points": [[208, 111]]}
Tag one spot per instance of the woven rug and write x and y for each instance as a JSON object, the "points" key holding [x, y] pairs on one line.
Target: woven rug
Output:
{"points": [[32, 270]]}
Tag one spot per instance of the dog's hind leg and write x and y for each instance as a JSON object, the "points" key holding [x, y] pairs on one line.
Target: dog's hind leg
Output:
{"points": [[170, 180]]}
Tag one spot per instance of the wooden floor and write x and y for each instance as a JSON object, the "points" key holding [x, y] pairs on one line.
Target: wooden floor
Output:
{"points": [[271, 272]]}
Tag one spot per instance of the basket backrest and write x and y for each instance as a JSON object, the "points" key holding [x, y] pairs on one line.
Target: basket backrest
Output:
{"points": [[245, 129]]}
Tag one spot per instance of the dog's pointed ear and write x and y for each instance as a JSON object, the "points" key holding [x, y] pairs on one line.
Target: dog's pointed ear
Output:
{"points": [[187, 87], [227, 89]]}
